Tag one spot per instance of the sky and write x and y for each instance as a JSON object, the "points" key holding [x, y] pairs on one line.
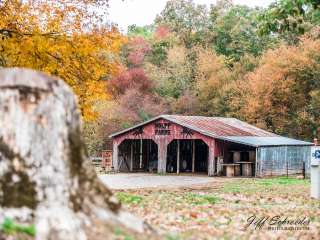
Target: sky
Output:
{"points": [[143, 12]]}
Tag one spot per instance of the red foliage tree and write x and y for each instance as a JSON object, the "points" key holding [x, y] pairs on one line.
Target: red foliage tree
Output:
{"points": [[138, 48], [162, 32], [134, 78]]}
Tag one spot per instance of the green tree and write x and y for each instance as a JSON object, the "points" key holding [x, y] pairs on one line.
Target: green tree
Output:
{"points": [[144, 31], [289, 19], [234, 32], [186, 19]]}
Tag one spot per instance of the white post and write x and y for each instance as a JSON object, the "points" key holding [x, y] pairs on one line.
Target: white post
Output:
{"points": [[131, 156], [115, 158], [193, 154], [315, 172], [211, 164], [178, 156]]}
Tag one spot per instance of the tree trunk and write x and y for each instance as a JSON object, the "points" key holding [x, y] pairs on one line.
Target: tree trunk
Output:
{"points": [[45, 175]]}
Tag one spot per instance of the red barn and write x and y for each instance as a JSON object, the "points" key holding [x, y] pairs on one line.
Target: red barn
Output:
{"points": [[213, 145]]}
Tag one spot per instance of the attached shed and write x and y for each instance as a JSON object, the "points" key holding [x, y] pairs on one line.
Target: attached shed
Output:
{"points": [[213, 145]]}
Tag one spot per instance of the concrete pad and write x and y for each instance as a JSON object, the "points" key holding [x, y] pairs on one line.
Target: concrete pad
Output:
{"points": [[147, 180]]}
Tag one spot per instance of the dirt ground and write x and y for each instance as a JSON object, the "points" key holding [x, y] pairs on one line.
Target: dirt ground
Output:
{"points": [[277, 208], [146, 180]]}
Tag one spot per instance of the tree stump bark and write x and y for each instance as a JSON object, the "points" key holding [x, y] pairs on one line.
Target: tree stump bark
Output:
{"points": [[45, 175]]}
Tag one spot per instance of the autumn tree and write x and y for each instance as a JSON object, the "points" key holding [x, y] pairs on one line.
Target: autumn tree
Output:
{"points": [[161, 41], [134, 78], [282, 94], [212, 82], [62, 38], [134, 97], [173, 77], [187, 104], [135, 51]]}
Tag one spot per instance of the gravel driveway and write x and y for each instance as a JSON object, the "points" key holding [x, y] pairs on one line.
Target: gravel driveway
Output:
{"points": [[145, 180]]}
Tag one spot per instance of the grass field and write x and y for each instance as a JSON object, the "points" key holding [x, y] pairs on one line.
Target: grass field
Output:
{"points": [[223, 209], [217, 210]]}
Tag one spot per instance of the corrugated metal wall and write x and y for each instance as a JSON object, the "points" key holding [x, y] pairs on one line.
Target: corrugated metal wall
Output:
{"points": [[281, 160]]}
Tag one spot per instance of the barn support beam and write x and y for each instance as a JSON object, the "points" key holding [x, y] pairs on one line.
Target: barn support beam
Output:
{"points": [[162, 156], [178, 156], [211, 156], [256, 173], [140, 159], [193, 154], [148, 154], [115, 157], [131, 156]]}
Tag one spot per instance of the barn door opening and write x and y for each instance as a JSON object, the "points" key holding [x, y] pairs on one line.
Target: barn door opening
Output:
{"points": [[202, 151], [138, 155], [187, 156]]}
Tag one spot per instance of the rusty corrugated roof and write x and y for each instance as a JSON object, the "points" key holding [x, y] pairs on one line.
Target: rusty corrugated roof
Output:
{"points": [[218, 126], [210, 126]]}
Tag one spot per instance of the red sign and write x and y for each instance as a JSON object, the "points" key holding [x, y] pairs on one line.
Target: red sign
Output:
{"points": [[107, 159]]}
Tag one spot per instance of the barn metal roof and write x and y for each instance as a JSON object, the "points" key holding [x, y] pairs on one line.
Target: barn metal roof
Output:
{"points": [[267, 141], [218, 126], [230, 129]]}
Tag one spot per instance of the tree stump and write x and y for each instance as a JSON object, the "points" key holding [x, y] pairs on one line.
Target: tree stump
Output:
{"points": [[45, 175]]}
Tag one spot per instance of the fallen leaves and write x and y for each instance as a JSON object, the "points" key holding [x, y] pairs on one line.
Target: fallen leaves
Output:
{"points": [[222, 211]]}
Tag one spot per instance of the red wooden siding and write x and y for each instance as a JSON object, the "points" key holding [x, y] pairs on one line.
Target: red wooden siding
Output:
{"points": [[162, 132]]}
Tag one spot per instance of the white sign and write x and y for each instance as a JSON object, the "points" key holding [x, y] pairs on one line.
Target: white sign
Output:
{"points": [[315, 156], [315, 172]]}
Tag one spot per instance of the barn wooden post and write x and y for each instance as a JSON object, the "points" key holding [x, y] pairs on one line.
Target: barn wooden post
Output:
{"points": [[131, 155], [162, 156], [115, 157], [256, 163], [148, 154], [193, 154], [140, 161], [178, 156], [211, 165]]}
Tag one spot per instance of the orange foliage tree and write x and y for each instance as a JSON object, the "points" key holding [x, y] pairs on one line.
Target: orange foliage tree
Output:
{"points": [[66, 38], [283, 93], [213, 80]]}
